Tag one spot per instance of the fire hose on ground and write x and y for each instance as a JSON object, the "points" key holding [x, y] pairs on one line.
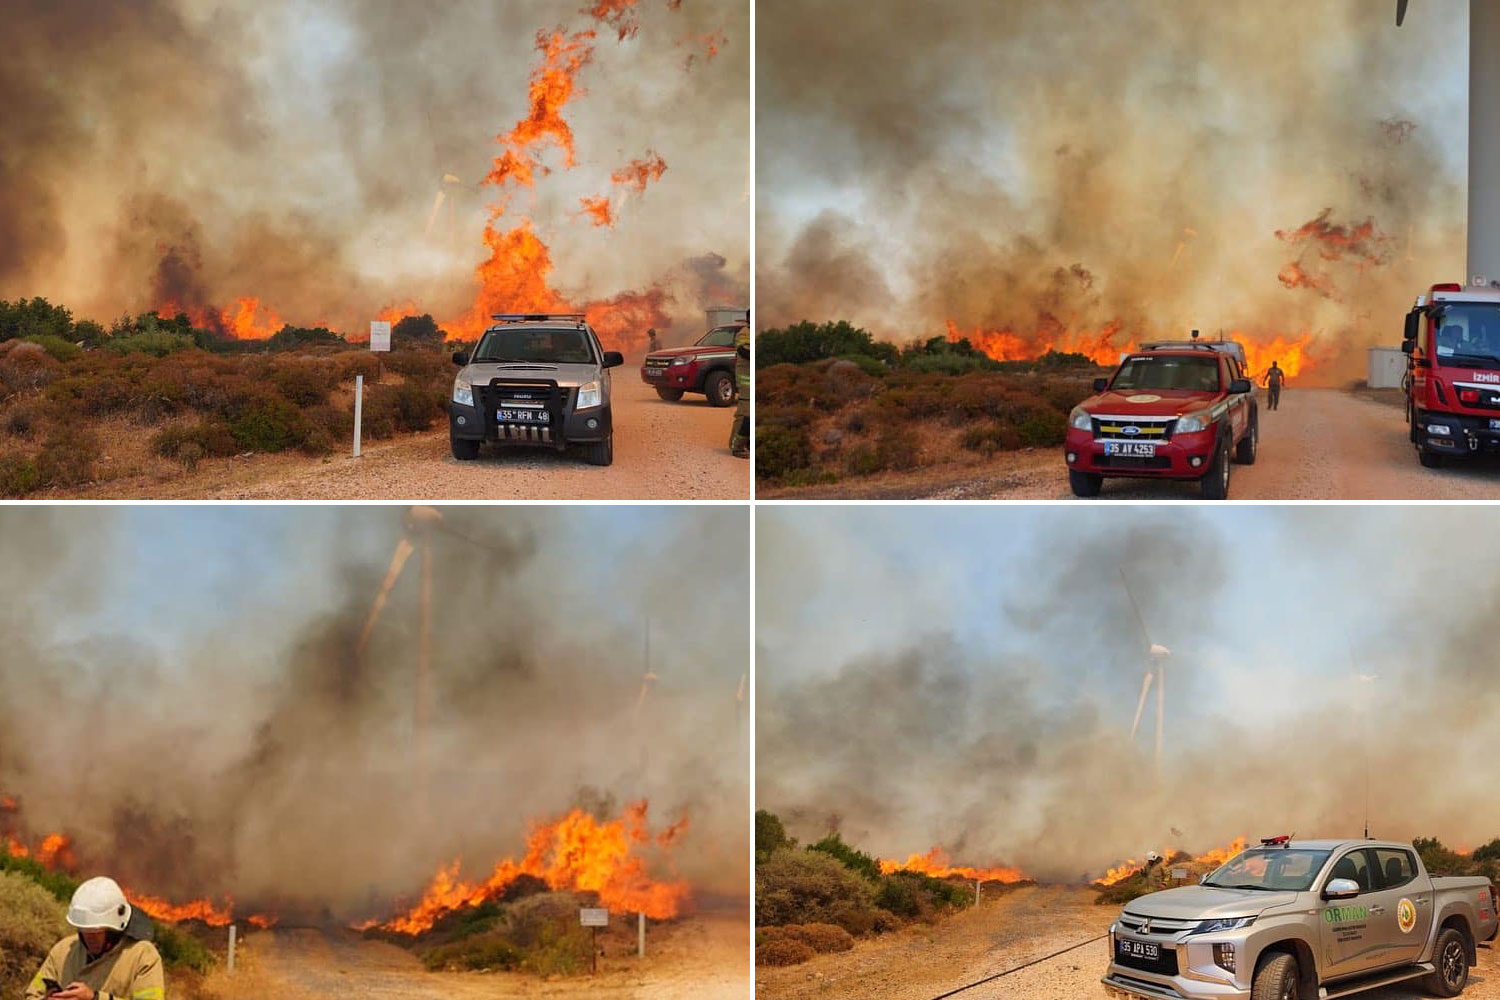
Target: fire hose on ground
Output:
{"points": [[1024, 965]]}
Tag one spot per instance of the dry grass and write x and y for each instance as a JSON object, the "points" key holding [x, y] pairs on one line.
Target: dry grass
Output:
{"points": [[31, 922]]}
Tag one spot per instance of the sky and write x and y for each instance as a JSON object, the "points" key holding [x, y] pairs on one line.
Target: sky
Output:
{"points": [[954, 162], [967, 677]]}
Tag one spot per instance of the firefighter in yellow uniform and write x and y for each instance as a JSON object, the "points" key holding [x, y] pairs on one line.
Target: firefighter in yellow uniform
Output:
{"points": [[739, 435], [110, 958]]}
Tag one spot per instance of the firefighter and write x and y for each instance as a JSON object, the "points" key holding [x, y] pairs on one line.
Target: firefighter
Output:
{"points": [[651, 342], [1274, 378], [739, 434], [110, 958]]}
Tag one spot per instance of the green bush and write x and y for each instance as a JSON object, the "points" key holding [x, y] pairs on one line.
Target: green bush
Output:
{"points": [[57, 347], [770, 835], [810, 887], [19, 475], [158, 343], [478, 954], [180, 949], [917, 896], [268, 423], [851, 858], [780, 451], [67, 457], [31, 922]]}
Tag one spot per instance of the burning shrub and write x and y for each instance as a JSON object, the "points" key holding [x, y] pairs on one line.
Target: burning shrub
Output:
{"points": [[31, 922], [802, 887], [782, 951]]}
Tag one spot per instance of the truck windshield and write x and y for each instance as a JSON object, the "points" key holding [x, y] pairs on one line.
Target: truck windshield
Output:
{"points": [[1467, 334], [1274, 868], [556, 347], [1168, 371], [722, 336]]}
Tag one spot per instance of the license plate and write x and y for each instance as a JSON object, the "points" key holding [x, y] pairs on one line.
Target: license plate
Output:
{"points": [[656, 372], [522, 416], [1146, 950], [1142, 449], [1494, 424]]}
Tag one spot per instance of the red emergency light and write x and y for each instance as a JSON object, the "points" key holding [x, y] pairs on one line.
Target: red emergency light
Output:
{"points": [[1450, 286], [1281, 841], [1468, 396]]}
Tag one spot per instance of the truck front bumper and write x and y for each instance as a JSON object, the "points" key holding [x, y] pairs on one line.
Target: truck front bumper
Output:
{"points": [[1457, 434], [467, 423], [1128, 984], [684, 377], [1184, 456]]}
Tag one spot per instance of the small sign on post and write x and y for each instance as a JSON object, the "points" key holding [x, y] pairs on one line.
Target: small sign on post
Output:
{"points": [[595, 918], [1179, 874], [380, 335]]}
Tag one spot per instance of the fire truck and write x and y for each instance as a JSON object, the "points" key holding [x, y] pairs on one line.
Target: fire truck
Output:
{"points": [[1452, 345]]}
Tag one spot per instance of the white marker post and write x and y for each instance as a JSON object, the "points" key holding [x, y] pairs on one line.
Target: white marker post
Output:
{"points": [[640, 941], [976, 892], [359, 400], [229, 965]]}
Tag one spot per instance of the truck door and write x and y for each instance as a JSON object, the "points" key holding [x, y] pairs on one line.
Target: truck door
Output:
{"points": [[1239, 406], [1348, 926], [1421, 363], [1408, 901]]}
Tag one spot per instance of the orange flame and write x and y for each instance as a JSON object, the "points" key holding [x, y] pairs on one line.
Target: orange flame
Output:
{"points": [[577, 853], [15, 848], [196, 909], [935, 863], [1210, 860], [56, 852], [638, 173], [245, 319], [599, 210], [1219, 855], [1333, 242], [618, 14]]}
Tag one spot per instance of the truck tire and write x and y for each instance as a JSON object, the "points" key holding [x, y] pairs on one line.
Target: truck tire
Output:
{"points": [[1216, 479], [1276, 979], [1085, 484], [670, 395], [1244, 452], [719, 388], [1451, 956], [1430, 459], [464, 450], [600, 452]]}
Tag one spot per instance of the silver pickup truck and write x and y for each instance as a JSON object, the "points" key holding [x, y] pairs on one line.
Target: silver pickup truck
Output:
{"points": [[1303, 920]]}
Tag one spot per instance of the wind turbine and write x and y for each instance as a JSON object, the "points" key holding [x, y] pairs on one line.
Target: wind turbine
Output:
{"points": [[1156, 669], [1484, 139]]}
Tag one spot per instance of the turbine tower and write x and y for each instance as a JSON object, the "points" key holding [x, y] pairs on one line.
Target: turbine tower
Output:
{"points": [[1156, 669], [1484, 139]]}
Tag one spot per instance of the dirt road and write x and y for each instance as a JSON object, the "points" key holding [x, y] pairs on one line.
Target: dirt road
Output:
{"points": [[919, 962], [706, 956], [1322, 444], [663, 451]]}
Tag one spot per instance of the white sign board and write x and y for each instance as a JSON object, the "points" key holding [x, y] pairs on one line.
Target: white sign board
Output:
{"points": [[380, 336], [1180, 874], [593, 918]]}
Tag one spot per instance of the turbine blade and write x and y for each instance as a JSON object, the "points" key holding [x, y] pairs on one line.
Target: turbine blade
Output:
{"points": [[1139, 618], [404, 549], [1140, 704], [1400, 12]]}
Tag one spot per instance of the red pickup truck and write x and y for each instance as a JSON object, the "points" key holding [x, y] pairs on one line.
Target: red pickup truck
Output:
{"points": [[1170, 413], [706, 367]]}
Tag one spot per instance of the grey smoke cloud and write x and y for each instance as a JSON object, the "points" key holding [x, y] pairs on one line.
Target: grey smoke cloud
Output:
{"points": [[946, 162]]}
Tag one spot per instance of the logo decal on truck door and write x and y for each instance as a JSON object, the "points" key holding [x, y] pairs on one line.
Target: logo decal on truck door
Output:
{"points": [[1406, 916]]}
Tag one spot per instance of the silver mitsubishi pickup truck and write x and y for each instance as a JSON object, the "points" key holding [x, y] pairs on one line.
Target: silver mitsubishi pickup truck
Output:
{"points": [[1303, 920]]}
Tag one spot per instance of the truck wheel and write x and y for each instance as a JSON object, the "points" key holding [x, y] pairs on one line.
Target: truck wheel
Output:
{"points": [[1085, 484], [464, 450], [1216, 479], [1276, 979], [600, 452], [1451, 956], [1430, 459], [670, 395], [719, 389], [1244, 452]]}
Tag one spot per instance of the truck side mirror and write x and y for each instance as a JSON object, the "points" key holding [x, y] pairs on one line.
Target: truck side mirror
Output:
{"points": [[1239, 386], [1100, 384], [1341, 888], [460, 358], [1407, 346], [1413, 325], [613, 359]]}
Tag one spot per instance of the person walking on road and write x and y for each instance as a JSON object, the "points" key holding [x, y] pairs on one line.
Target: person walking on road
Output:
{"points": [[1274, 378], [651, 342], [739, 434], [110, 958]]}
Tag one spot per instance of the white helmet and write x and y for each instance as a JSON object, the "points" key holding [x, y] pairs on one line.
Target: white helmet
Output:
{"points": [[99, 903]]}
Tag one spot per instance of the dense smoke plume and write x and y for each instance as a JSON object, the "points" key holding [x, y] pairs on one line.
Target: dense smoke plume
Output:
{"points": [[921, 165], [250, 750], [1000, 731], [327, 159]]}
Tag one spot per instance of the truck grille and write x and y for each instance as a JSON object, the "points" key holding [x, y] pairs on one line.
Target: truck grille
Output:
{"points": [[542, 396], [1159, 925], [657, 367], [1134, 428]]}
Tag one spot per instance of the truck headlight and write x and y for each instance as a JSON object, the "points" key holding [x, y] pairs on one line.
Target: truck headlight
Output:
{"points": [[1080, 420], [463, 392], [1190, 423], [1223, 924], [682, 360], [590, 395]]}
